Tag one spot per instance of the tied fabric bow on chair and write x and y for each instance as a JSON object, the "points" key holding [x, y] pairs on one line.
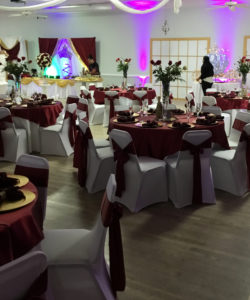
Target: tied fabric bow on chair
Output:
{"points": [[81, 155], [140, 99], [196, 150], [121, 156], [245, 137], [87, 97], [72, 127], [111, 214], [3, 127], [111, 105], [83, 107]]}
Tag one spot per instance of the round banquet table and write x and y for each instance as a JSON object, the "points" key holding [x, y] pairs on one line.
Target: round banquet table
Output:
{"points": [[162, 141], [19, 230], [43, 115], [100, 95], [226, 103]]}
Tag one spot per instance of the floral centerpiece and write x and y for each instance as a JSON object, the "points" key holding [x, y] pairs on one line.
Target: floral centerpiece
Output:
{"points": [[243, 68], [17, 67], [122, 66], [44, 60], [171, 72]]}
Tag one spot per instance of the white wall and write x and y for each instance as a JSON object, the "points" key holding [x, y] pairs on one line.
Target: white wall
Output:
{"points": [[126, 35]]}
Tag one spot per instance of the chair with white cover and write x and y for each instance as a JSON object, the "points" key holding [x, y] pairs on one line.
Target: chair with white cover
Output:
{"points": [[218, 112], [96, 111], [13, 141], [242, 118], [208, 105], [110, 101], [59, 139], [141, 181], [76, 264], [24, 277], [231, 168], [140, 99], [36, 168], [94, 165], [189, 174]]}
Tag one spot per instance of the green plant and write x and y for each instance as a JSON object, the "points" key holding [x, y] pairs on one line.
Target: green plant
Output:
{"points": [[17, 67], [123, 65]]}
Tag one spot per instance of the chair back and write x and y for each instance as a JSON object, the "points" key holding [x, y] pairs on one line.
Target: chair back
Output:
{"points": [[209, 101], [36, 168], [6, 118], [91, 146], [70, 110], [92, 87], [140, 94], [212, 109], [241, 119], [72, 99], [82, 106], [17, 277]]}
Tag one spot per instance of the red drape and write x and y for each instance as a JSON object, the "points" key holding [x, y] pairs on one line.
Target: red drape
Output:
{"points": [[47, 45], [12, 52], [84, 47]]}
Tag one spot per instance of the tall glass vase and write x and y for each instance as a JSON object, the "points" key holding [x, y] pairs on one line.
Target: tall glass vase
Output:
{"points": [[243, 85], [165, 101], [124, 80]]}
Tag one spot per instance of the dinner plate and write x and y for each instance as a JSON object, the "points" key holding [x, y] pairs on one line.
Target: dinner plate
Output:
{"points": [[158, 123], [171, 126], [128, 122], [23, 180], [212, 124], [29, 197]]}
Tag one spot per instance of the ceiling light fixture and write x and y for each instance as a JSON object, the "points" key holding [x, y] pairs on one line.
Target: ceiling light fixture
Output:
{"points": [[144, 6], [31, 7]]}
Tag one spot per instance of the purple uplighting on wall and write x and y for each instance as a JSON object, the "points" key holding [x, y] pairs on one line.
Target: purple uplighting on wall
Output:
{"points": [[141, 4]]}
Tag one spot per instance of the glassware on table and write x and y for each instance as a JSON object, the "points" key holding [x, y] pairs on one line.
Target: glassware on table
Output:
{"points": [[198, 109], [130, 109], [188, 112]]}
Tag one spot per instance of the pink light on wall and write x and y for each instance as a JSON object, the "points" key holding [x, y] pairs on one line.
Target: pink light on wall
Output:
{"points": [[143, 79], [141, 4]]}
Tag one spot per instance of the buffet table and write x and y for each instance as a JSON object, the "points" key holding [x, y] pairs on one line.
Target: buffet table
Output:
{"points": [[162, 141], [19, 230]]}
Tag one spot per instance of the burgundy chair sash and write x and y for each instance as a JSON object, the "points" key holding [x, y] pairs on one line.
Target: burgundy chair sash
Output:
{"points": [[239, 125], [245, 137], [111, 214], [121, 156], [196, 150], [38, 289], [39, 177], [83, 107], [81, 155], [171, 98], [92, 87], [140, 99], [72, 127], [190, 103], [84, 96], [71, 100], [111, 105], [3, 127]]}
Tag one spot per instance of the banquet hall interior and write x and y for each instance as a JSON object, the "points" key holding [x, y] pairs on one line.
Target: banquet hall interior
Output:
{"points": [[124, 163]]}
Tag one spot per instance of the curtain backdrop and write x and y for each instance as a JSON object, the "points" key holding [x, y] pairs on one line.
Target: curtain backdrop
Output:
{"points": [[14, 46], [84, 47], [47, 45], [13, 53]]}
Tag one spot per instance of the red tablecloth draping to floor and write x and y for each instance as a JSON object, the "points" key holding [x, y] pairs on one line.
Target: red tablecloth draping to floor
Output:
{"points": [[232, 103], [19, 230], [43, 115], [100, 95], [163, 141]]}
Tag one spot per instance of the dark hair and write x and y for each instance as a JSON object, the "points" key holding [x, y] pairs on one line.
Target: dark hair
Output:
{"points": [[206, 59], [90, 56]]}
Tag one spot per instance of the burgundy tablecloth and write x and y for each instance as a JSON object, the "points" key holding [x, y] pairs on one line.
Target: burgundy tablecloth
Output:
{"points": [[159, 142], [232, 103], [44, 115], [100, 95], [19, 231]]}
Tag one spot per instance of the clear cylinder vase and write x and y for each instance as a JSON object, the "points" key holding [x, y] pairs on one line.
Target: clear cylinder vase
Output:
{"points": [[244, 85], [165, 101]]}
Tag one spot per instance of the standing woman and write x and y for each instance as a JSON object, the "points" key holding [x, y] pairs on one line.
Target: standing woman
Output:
{"points": [[207, 73]]}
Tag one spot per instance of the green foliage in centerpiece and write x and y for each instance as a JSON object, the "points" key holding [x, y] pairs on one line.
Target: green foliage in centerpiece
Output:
{"points": [[123, 65], [17, 67]]}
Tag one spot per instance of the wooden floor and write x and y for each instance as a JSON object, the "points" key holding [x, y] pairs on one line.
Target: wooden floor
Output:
{"points": [[191, 254]]}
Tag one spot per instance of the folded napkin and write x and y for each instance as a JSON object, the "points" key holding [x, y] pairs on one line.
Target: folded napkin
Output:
{"points": [[204, 121], [220, 118], [125, 119], [124, 113], [151, 111], [150, 124], [14, 194], [177, 124], [45, 101], [6, 182]]}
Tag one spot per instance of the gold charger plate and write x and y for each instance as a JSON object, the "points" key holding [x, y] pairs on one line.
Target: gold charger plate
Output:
{"points": [[23, 180], [191, 126], [212, 124], [160, 124], [29, 197], [129, 122]]}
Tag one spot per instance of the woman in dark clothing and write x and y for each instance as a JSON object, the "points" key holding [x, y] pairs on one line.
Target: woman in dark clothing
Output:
{"points": [[207, 73]]}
